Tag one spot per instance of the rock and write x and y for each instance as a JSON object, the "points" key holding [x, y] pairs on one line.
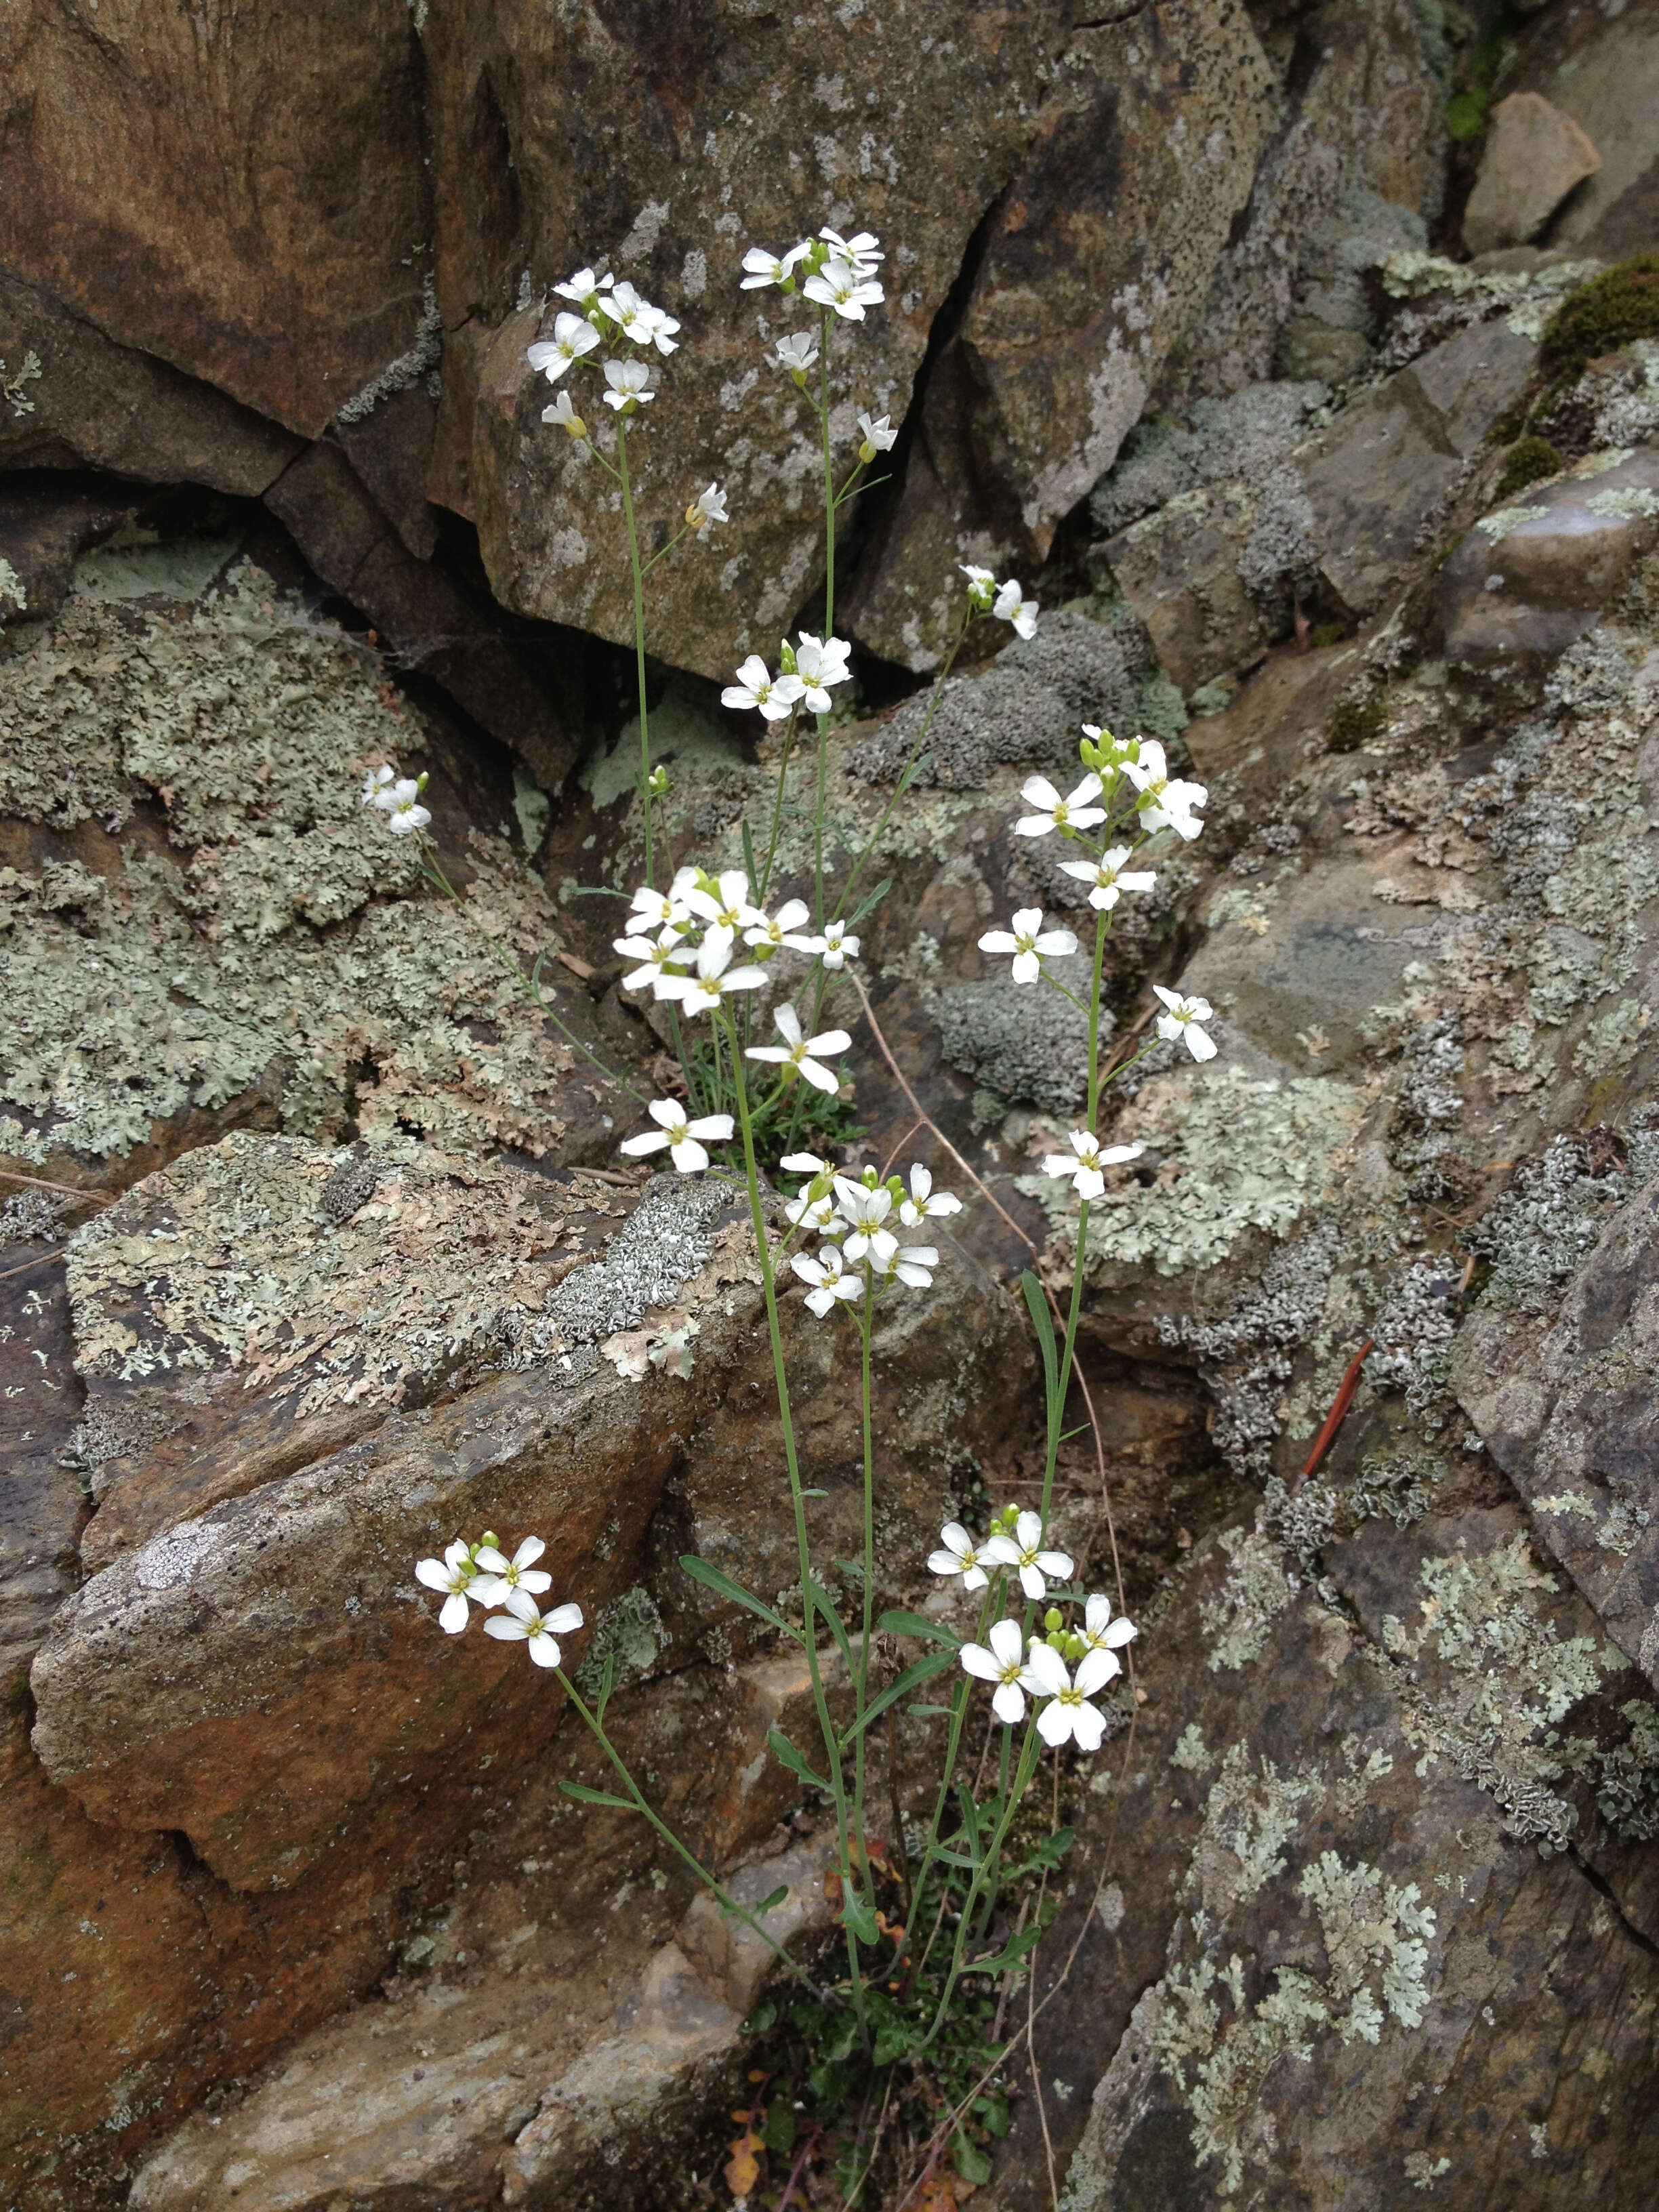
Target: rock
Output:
{"points": [[45, 527], [1531, 577], [1179, 570], [1533, 156], [1334, 320], [1601, 71], [1063, 338], [198, 202], [1245, 435], [423, 618]]}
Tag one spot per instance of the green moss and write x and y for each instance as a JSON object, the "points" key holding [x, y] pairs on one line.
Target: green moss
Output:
{"points": [[1530, 460], [1356, 722], [1466, 114], [1621, 304]]}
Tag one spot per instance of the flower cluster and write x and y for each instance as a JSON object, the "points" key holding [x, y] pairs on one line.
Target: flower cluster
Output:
{"points": [[1005, 600], [806, 672], [836, 274], [397, 797], [858, 1253], [480, 1574], [686, 938]]}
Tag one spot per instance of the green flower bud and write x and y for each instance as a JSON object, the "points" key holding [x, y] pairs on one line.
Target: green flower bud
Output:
{"points": [[1053, 1618], [786, 658]]}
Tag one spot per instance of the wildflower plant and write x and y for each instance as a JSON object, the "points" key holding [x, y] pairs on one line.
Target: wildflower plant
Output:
{"points": [[925, 1924]]}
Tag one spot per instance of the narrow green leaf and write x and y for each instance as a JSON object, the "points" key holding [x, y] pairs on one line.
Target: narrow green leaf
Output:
{"points": [[821, 1602], [1010, 1955], [923, 1670], [915, 1624], [584, 1795], [930, 1713], [749, 869], [773, 1902], [1037, 1305], [700, 1571], [871, 900], [607, 1684], [786, 1755]]}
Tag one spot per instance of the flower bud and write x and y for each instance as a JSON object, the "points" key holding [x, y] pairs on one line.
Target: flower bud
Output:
{"points": [[657, 782], [1053, 1618], [866, 452], [786, 658], [799, 376], [488, 1542]]}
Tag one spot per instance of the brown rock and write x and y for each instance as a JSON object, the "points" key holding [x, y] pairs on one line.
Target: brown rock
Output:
{"points": [[196, 197], [1533, 156], [45, 527], [1179, 569]]}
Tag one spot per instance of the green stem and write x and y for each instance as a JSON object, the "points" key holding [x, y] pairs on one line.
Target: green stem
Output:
{"points": [[639, 633], [803, 1546], [861, 1683], [983, 1875], [829, 605], [777, 807]]}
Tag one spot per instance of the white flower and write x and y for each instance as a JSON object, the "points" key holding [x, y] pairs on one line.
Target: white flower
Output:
{"points": [[657, 957], [664, 910], [707, 507], [836, 947], [757, 686], [728, 905], [864, 1210], [679, 1135], [1068, 1714], [924, 1200], [796, 352], [573, 337], [982, 584], [903, 1263], [1003, 1664], [1028, 942], [378, 780], [1182, 1021], [959, 1557], [1087, 1161], [862, 252], [830, 1281], [627, 380], [1107, 876], [1010, 607], [799, 1052], [715, 975], [815, 1214], [771, 929], [1024, 1550], [402, 819], [640, 322], [1101, 1632], [403, 792], [566, 417], [806, 1164], [820, 662], [1166, 802], [762, 269], [584, 288], [455, 1574], [839, 285], [539, 1632], [502, 1576], [878, 436], [1053, 812]]}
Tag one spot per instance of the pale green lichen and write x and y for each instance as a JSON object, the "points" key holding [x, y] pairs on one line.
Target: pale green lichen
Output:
{"points": [[1256, 1591], [13, 587], [1251, 1814], [1191, 1751], [1630, 503], [1499, 524], [627, 1638]]}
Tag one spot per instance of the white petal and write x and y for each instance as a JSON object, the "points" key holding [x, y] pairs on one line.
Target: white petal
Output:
{"points": [[1095, 1669], [1045, 1672], [544, 1651], [451, 1616], [944, 1563], [1057, 1565], [564, 1620], [978, 1661], [652, 1140], [433, 1573], [1202, 1046], [1008, 1642], [504, 1624], [1038, 791], [1009, 1703], [1088, 1726], [529, 1551], [1031, 1581], [1054, 1723]]}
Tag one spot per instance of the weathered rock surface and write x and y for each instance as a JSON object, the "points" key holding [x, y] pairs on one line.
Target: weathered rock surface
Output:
{"points": [[1533, 156]]}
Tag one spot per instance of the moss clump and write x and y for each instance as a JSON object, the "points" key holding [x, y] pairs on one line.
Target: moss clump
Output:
{"points": [[1528, 462], [1355, 723], [1621, 304]]}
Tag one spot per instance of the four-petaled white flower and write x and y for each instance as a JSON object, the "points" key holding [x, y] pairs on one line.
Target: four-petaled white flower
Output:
{"points": [[378, 781], [502, 1577], [1079, 811], [1003, 1664], [820, 662], [772, 929], [706, 508], [864, 1210], [658, 957], [584, 288], [757, 686], [627, 380], [1180, 1019], [763, 268], [862, 252], [538, 1632], [800, 1052], [903, 1263], [828, 1279], [406, 815], [1101, 1632], [816, 1213], [715, 975], [878, 436], [960, 1556], [455, 1574], [573, 337], [1087, 1160], [796, 352], [403, 791], [924, 1200], [1028, 942], [728, 905], [839, 285], [665, 910], [1024, 1550], [834, 947], [1011, 606], [1108, 877], [681, 1137], [1167, 803], [1068, 1715], [566, 417], [640, 322]]}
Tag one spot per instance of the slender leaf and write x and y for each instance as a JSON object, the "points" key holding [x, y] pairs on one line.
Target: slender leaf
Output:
{"points": [[914, 1624], [858, 1914], [786, 1754], [1010, 1955], [971, 1819], [923, 1670], [749, 869], [702, 1571], [607, 1684], [871, 900], [930, 1713], [1038, 1307], [821, 1602], [584, 1795]]}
